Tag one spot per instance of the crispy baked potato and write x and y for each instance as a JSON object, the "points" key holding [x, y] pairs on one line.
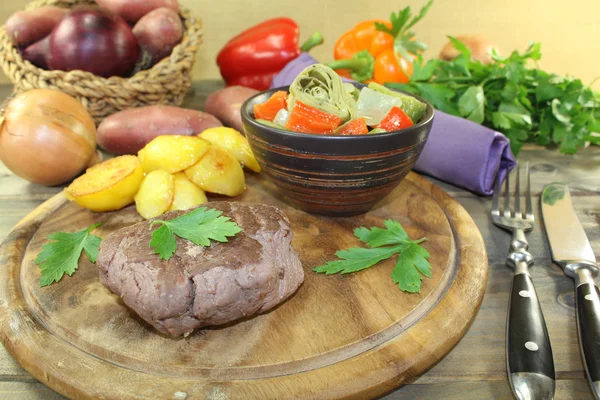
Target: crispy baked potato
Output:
{"points": [[185, 194], [233, 141], [155, 195], [172, 153], [218, 171], [109, 185]]}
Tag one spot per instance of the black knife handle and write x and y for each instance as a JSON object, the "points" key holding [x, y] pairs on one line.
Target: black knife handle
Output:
{"points": [[528, 342], [588, 323]]}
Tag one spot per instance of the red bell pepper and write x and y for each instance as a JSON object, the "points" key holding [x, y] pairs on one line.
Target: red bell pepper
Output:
{"points": [[255, 56], [307, 119], [269, 109], [395, 120]]}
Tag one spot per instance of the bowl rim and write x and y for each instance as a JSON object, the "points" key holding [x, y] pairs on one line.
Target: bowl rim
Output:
{"points": [[425, 120]]}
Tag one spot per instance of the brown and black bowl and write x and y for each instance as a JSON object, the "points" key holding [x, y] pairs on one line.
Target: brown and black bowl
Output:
{"points": [[334, 175]]}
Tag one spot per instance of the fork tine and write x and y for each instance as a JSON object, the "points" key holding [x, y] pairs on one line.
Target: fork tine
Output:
{"points": [[528, 205], [507, 196], [518, 194], [496, 196]]}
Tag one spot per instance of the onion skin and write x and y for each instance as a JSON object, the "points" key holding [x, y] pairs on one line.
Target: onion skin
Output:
{"points": [[37, 53], [480, 48], [46, 137], [95, 41]]}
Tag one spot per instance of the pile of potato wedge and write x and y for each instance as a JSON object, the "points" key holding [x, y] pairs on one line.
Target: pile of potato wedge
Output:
{"points": [[172, 172]]}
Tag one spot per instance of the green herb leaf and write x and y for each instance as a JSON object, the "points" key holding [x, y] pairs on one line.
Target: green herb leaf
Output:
{"points": [[411, 262], [525, 103], [62, 255], [471, 104], [383, 244], [199, 226], [356, 259]]}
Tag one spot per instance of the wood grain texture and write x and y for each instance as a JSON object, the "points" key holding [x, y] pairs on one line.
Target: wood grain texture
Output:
{"points": [[338, 337]]}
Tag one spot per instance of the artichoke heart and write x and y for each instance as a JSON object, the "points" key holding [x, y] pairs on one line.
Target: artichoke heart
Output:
{"points": [[320, 87]]}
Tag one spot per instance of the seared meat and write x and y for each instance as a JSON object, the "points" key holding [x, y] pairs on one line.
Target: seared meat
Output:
{"points": [[201, 286]]}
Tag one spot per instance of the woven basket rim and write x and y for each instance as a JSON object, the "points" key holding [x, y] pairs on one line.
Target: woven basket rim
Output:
{"points": [[191, 40]]}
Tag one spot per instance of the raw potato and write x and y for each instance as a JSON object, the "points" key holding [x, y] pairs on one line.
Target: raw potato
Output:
{"points": [[133, 10], [109, 185], [218, 172], [158, 32], [225, 104], [185, 194], [172, 153], [26, 27], [126, 132], [234, 142], [155, 195]]}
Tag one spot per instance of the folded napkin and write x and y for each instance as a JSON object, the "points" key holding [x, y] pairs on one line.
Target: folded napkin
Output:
{"points": [[458, 151]]}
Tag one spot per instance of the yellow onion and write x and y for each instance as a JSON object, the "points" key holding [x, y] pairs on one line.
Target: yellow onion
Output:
{"points": [[46, 136], [480, 48]]}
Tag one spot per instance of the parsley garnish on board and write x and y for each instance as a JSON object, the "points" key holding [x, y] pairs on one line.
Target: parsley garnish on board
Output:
{"points": [[198, 226], [62, 255], [510, 96], [383, 244]]}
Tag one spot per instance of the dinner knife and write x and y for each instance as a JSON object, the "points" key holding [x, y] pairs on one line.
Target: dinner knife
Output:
{"points": [[572, 251]]}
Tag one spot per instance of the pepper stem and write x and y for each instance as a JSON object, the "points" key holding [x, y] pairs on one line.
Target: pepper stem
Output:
{"points": [[314, 40], [352, 64], [360, 65]]}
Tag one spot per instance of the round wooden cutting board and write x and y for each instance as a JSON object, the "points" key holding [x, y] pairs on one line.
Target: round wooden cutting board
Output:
{"points": [[338, 336]]}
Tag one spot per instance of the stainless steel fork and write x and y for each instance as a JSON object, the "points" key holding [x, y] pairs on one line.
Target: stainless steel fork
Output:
{"points": [[528, 352]]}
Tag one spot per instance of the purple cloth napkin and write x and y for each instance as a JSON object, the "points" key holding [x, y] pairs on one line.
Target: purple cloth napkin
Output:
{"points": [[458, 151]]}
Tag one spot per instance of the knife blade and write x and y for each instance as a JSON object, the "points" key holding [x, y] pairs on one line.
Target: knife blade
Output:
{"points": [[572, 251]]}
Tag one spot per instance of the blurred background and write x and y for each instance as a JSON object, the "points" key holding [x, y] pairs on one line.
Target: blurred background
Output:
{"points": [[568, 31]]}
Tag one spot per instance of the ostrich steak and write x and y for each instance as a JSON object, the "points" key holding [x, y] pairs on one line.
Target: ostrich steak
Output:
{"points": [[201, 286]]}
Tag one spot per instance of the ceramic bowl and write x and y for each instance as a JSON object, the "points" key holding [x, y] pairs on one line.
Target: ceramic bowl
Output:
{"points": [[334, 175]]}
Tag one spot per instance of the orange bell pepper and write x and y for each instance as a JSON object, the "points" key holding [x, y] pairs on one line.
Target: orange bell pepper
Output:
{"points": [[390, 43], [307, 119]]}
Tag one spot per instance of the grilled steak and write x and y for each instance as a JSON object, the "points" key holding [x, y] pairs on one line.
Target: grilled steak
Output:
{"points": [[201, 286]]}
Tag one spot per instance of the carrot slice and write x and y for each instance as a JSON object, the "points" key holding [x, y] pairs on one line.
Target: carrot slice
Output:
{"points": [[356, 126], [394, 120], [269, 108], [308, 119]]}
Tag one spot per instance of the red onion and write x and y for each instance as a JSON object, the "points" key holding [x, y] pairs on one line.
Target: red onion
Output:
{"points": [[95, 41]]}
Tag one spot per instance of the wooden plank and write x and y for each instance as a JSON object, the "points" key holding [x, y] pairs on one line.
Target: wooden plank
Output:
{"points": [[481, 390], [27, 390]]}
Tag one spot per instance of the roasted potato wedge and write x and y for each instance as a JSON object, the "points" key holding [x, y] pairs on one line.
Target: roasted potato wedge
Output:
{"points": [[155, 195], [185, 194], [109, 185], [233, 141], [172, 153], [218, 171]]}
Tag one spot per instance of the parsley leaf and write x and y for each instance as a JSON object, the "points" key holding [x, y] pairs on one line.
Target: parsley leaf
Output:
{"points": [[511, 95], [383, 244], [199, 226], [62, 255]]}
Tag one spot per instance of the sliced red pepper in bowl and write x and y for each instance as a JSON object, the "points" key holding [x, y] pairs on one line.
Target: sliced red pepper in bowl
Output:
{"points": [[356, 126], [269, 109], [306, 119], [394, 120]]}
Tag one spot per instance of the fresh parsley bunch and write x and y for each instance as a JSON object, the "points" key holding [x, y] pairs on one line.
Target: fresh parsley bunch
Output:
{"points": [[525, 103], [383, 244]]}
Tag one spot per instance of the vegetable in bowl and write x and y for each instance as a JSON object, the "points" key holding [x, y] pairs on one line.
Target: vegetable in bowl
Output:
{"points": [[320, 102]]}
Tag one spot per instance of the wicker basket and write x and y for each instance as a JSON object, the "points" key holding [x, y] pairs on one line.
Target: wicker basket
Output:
{"points": [[167, 82]]}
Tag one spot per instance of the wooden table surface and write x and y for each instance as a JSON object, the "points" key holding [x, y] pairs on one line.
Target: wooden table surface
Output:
{"points": [[476, 367]]}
